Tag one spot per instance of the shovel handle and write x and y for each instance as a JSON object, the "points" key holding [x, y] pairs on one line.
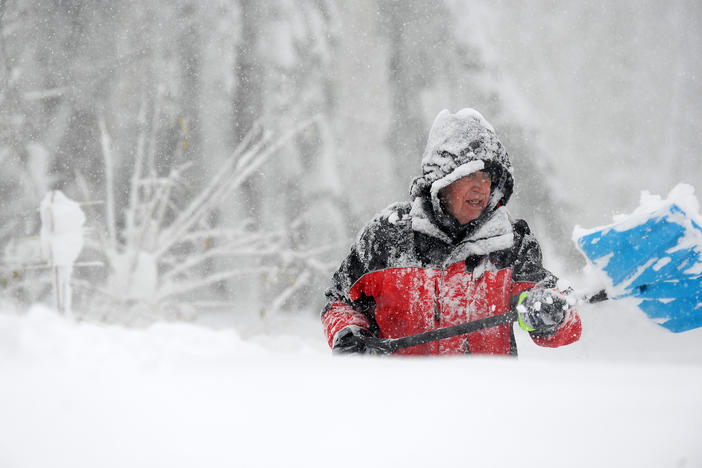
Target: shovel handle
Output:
{"points": [[390, 345], [377, 345]]}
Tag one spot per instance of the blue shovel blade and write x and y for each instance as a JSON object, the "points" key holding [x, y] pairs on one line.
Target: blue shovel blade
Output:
{"points": [[648, 261], [678, 315], [671, 289], [675, 304]]}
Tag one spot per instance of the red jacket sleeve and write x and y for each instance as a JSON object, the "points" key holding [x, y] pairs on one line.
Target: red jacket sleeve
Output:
{"points": [[568, 332], [529, 272], [341, 315], [339, 312]]}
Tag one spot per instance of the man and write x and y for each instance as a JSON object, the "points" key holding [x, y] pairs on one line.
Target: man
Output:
{"points": [[450, 255]]}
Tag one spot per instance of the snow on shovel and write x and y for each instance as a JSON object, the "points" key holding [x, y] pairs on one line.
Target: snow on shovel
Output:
{"points": [[654, 255]]}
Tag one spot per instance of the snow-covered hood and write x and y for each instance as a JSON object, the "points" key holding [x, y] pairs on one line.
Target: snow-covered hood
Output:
{"points": [[460, 144]]}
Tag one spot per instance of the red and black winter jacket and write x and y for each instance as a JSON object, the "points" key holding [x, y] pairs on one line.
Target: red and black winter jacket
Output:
{"points": [[400, 280]]}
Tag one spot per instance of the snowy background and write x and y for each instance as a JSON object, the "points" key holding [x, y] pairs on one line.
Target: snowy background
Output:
{"points": [[225, 153]]}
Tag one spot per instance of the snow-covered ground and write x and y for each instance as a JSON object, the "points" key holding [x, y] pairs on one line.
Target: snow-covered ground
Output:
{"points": [[270, 394]]}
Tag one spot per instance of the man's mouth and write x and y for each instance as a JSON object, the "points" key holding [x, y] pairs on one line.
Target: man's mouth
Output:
{"points": [[476, 202]]}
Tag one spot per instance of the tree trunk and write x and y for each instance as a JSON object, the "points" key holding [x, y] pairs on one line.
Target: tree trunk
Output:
{"points": [[407, 134], [248, 98]]}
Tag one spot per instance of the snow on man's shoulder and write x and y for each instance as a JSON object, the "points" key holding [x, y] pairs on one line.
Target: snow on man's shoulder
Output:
{"points": [[390, 223], [394, 214]]}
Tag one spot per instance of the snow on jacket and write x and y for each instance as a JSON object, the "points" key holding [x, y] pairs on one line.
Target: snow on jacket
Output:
{"points": [[414, 268]]}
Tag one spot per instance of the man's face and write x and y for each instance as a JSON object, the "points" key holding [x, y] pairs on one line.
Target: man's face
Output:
{"points": [[467, 197]]}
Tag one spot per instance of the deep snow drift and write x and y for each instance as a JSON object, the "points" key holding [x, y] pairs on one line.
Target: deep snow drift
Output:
{"points": [[177, 395]]}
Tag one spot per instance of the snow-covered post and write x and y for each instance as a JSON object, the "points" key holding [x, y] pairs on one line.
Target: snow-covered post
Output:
{"points": [[62, 222]]}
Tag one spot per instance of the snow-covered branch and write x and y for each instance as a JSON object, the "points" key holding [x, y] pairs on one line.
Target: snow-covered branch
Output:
{"points": [[106, 145], [179, 288], [169, 248]]}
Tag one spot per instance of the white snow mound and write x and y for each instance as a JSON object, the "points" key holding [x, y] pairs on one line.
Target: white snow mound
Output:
{"points": [[178, 395]]}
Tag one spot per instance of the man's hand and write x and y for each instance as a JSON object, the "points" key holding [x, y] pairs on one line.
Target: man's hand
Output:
{"points": [[351, 339], [541, 310]]}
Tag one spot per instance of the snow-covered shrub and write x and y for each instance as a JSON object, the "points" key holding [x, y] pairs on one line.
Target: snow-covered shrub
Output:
{"points": [[22, 272], [166, 252]]}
